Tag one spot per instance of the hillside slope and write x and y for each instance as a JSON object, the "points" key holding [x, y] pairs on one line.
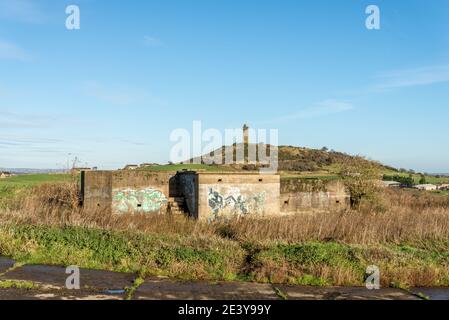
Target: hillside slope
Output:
{"points": [[300, 159]]}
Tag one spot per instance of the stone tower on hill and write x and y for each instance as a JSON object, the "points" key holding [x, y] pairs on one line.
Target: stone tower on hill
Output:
{"points": [[245, 142], [245, 134]]}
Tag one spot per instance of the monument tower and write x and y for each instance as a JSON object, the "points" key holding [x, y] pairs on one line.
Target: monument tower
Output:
{"points": [[245, 142]]}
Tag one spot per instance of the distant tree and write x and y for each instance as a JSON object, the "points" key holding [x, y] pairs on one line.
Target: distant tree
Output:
{"points": [[423, 179], [406, 181], [360, 178], [325, 149]]}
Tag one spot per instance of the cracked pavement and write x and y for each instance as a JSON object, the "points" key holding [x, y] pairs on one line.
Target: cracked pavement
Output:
{"points": [[49, 283]]}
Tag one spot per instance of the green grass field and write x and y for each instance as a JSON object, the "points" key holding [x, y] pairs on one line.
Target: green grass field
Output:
{"points": [[417, 177], [9, 187], [34, 179]]}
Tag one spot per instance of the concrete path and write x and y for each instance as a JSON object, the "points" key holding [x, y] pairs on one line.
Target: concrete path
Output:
{"points": [[37, 282]]}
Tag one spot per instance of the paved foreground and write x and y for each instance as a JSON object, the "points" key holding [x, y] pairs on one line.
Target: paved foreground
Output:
{"points": [[37, 282]]}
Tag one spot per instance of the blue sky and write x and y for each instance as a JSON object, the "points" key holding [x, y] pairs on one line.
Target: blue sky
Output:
{"points": [[111, 92]]}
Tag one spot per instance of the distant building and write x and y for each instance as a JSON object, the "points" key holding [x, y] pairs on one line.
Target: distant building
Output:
{"points": [[426, 187], [4, 175], [145, 165], [78, 170], [391, 184], [131, 167]]}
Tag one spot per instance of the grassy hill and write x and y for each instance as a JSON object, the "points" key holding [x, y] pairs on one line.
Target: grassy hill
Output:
{"points": [[306, 163], [191, 167], [313, 160], [300, 160]]}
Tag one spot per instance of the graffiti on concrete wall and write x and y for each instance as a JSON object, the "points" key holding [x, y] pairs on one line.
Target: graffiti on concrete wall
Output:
{"points": [[234, 203], [141, 200]]}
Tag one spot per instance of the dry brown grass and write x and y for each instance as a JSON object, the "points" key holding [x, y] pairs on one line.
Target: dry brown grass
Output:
{"points": [[336, 245], [395, 224], [59, 205], [404, 217]]}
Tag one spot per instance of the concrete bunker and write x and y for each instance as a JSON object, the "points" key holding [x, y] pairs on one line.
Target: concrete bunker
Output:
{"points": [[204, 196], [208, 196]]}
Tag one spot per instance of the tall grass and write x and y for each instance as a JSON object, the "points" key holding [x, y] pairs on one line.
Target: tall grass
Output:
{"points": [[406, 234], [402, 217]]}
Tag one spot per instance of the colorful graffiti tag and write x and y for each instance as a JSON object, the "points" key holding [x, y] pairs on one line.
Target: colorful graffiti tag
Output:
{"points": [[143, 200], [234, 204]]}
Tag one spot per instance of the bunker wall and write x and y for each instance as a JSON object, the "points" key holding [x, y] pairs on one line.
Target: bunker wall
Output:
{"points": [[302, 195], [127, 191], [96, 189], [225, 195]]}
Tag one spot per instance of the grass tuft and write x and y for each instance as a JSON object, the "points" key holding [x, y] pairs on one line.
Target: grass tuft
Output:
{"points": [[12, 284]]}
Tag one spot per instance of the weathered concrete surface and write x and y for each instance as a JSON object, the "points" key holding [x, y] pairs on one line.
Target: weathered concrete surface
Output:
{"points": [[343, 293], [208, 196], [105, 285], [433, 293], [125, 191], [55, 277], [165, 289], [96, 190], [224, 195], [22, 294], [5, 264], [306, 195], [140, 191]]}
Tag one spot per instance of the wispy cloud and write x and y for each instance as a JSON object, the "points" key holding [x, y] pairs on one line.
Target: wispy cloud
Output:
{"points": [[412, 77], [21, 10], [321, 109], [116, 96], [388, 81], [26, 141], [12, 120], [10, 51], [150, 41], [120, 95]]}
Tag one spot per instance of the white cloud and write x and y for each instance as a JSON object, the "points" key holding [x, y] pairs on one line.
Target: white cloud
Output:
{"points": [[10, 51], [150, 41], [21, 10], [321, 109], [413, 77]]}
